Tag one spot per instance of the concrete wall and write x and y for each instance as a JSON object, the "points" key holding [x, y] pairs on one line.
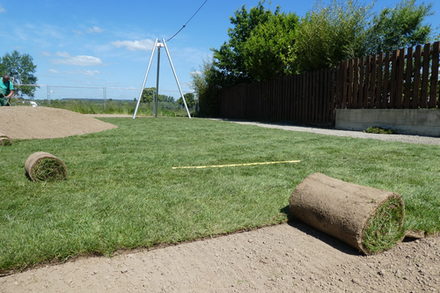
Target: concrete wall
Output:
{"points": [[407, 121]]}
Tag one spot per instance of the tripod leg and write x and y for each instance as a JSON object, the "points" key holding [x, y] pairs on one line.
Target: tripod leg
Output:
{"points": [[175, 76], [145, 79]]}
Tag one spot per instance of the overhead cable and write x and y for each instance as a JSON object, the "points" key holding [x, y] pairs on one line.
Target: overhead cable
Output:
{"points": [[183, 26]]}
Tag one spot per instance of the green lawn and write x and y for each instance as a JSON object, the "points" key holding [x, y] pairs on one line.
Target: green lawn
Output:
{"points": [[122, 193]]}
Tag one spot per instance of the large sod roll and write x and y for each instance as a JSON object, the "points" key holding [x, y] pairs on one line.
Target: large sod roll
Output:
{"points": [[41, 166], [368, 219], [4, 140]]}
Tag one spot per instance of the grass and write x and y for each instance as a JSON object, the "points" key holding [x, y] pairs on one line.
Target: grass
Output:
{"points": [[385, 227], [115, 107], [122, 193], [379, 130]]}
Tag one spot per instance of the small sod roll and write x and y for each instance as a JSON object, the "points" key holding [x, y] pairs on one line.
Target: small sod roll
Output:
{"points": [[41, 166], [5, 140], [366, 218]]}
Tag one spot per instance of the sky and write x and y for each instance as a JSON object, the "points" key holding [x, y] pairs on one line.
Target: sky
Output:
{"points": [[107, 44]]}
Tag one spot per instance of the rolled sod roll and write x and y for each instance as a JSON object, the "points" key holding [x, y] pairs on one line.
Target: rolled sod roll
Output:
{"points": [[41, 166], [4, 140], [366, 218]]}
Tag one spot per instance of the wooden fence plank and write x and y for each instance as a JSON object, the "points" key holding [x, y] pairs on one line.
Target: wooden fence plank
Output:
{"points": [[338, 95], [367, 82], [318, 96], [434, 75], [393, 76], [379, 81], [417, 76], [343, 84], [293, 88], [425, 76], [349, 83], [317, 88], [312, 97], [372, 82], [322, 97], [399, 77], [361, 82], [286, 98], [302, 94], [308, 113], [386, 82], [355, 82], [408, 78]]}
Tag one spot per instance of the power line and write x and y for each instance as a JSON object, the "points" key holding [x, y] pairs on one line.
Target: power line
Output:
{"points": [[183, 26]]}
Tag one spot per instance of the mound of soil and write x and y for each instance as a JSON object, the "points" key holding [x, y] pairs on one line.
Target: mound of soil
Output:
{"points": [[44, 122]]}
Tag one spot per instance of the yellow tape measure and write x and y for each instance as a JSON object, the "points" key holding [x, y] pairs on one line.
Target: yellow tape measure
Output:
{"points": [[237, 165]]}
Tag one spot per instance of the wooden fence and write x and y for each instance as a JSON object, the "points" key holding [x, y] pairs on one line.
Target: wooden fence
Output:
{"points": [[405, 78], [302, 99]]}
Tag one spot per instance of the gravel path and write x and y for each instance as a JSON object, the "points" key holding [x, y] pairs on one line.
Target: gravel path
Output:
{"points": [[356, 134]]}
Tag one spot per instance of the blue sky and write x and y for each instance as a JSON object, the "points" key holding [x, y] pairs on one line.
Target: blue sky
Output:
{"points": [[108, 43]]}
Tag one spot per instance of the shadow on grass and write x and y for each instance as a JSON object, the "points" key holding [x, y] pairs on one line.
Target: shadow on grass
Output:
{"points": [[335, 243]]}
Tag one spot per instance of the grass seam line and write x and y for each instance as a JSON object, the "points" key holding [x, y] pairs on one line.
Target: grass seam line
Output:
{"points": [[237, 165]]}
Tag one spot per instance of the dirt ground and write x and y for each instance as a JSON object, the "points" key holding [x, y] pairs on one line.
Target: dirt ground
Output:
{"points": [[282, 258], [43, 122]]}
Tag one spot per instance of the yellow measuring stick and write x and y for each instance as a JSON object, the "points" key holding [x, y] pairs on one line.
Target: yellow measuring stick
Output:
{"points": [[237, 165]]}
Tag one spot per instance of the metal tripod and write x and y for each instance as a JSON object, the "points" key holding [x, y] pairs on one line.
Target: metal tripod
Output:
{"points": [[158, 45]]}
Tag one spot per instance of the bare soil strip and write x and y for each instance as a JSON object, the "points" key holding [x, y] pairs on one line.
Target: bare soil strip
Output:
{"points": [[280, 258]]}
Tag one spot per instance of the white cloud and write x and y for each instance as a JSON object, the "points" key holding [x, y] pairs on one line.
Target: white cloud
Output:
{"points": [[89, 72], [2, 10], [62, 54], [145, 44], [75, 72], [95, 29], [80, 60]]}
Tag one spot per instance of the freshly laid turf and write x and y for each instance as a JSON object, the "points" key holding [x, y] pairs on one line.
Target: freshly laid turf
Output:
{"points": [[122, 192]]}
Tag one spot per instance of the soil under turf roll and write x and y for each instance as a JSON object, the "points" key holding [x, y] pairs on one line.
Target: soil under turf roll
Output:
{"points": [[366, 218], [41, 166]]}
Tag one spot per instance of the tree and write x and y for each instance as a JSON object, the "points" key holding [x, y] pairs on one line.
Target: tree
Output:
{"points": [[189, 98], [148, 96], [328, 35], [265, 44], [206, 85], [399, 27], [230, 58], [269, 50], [21, 68]]}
